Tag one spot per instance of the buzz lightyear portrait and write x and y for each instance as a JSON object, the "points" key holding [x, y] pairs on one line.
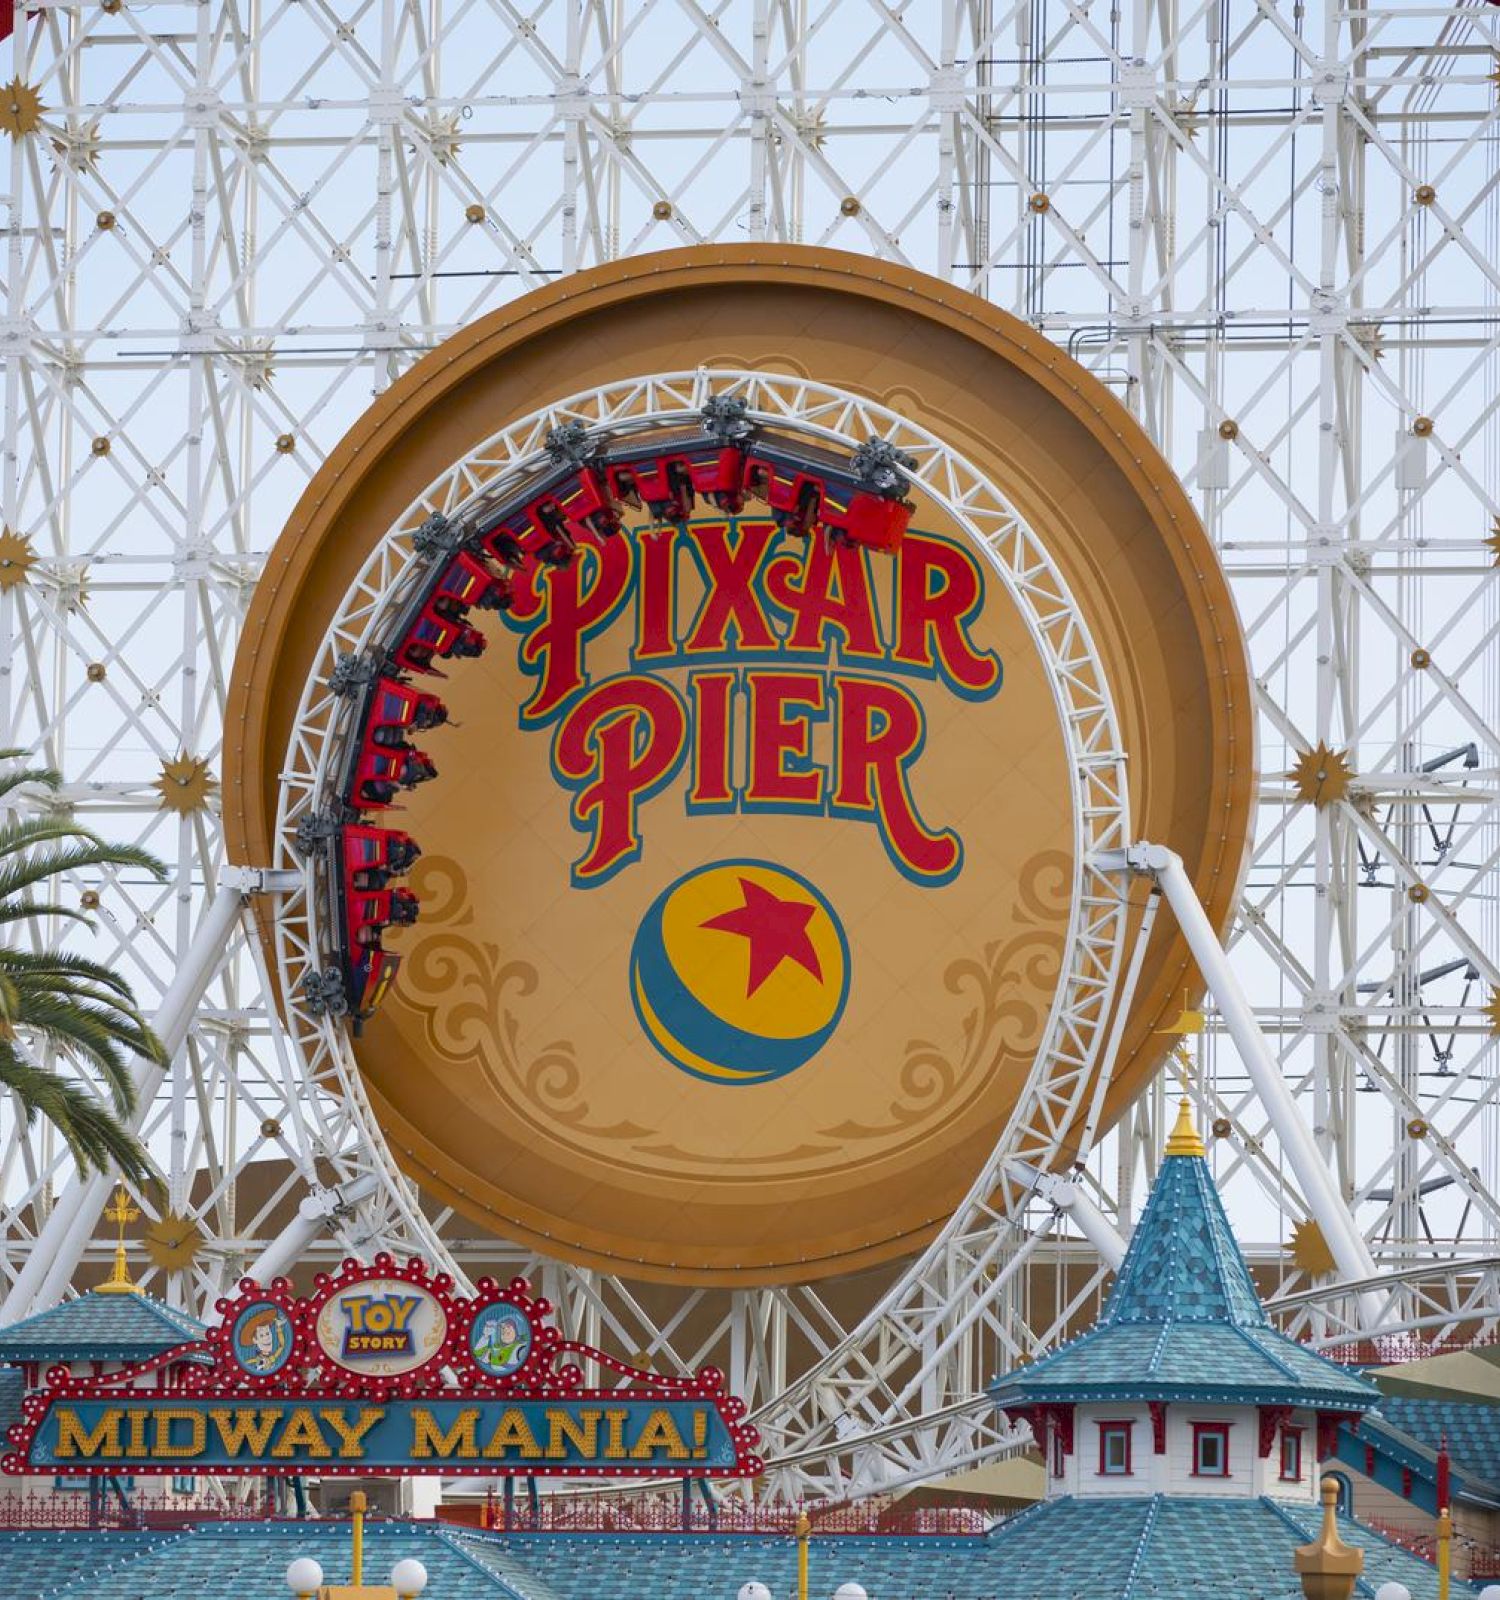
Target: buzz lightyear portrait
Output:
{"points": [[500, 1340], [262, 1339]]}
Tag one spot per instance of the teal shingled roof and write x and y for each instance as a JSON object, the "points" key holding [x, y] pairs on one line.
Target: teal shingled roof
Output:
{"points": [[232, 1559], [1146, 1549], [12, 1391], [1472, 1429], [1183, 1321], [1163, 1548], [1140, 1549], [1183, 1264], [99, 1327]]}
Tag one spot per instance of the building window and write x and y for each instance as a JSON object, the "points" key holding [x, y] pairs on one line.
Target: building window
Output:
{"points": [[184, 1483], [1114, 1449], [1210, 1449], [1059, 1464], [70, 1483], [1291, 1455]]}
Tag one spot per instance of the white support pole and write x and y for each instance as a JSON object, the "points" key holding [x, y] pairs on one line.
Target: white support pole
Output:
{"points": [[317, 1210], [58, 1248], [1333, 1217], [1090, 1221]]}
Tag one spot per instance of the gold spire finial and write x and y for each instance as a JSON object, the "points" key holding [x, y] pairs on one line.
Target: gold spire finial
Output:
{"points": [[1185, 1140], [121, 1213], [1328, 1567]]}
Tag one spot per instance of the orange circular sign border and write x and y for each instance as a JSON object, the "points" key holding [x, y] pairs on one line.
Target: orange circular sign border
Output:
{"points": [[410, 434]]}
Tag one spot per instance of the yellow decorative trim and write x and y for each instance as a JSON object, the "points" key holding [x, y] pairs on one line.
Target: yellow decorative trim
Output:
{"points": [[1185, 1140], [1189, 1021]]}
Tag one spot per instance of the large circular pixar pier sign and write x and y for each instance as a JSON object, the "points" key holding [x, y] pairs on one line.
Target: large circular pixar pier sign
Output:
{"points": [[749, 825]]}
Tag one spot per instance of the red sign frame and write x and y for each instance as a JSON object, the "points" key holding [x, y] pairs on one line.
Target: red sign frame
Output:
{"points": [[551, 1370]]}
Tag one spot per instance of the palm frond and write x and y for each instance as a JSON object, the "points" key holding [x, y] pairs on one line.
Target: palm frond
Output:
{"points": [[21, 874], [42, 777], [73, 991], [54, 963], [96, 1137], [22, 833], [118, 1017], [24, 910], [96, 1034], [38, 1005], [65, 1000]]}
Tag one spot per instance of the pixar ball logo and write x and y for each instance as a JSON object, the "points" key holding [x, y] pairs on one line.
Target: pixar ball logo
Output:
{"points": [[739, 972]]}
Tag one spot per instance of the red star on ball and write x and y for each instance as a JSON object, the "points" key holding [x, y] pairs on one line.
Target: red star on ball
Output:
{"points": [[776, 929]]}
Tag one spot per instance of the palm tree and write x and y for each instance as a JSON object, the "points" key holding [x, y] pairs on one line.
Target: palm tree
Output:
{"points": [[66, 1000]]}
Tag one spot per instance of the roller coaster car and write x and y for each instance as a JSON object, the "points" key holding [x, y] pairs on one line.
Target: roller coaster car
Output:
{"points": [[368, 977], [811, 490], [504, 544], [575, 503], [372, 911], [668, 481], [396, 706], [546, 537], [866, 519], [467, 582], [383, 771], [587, 503], [373, 856], [434, 635], [550, 539], [369, 908]]}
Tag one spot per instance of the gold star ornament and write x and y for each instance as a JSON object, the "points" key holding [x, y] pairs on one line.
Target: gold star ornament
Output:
{"points": [[1321, 776], [21, 109], [1309, 1249], [185, 785], [1492, 1011], [16, 559], [173, 1242], [1493, 542]]}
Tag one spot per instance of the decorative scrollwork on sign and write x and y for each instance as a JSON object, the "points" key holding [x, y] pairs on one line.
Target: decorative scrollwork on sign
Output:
{"points": [[462, 991], [1005, 1018]]}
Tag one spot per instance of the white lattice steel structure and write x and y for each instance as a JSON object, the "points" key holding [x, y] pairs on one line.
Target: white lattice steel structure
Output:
{"points": [[1274, 229]]}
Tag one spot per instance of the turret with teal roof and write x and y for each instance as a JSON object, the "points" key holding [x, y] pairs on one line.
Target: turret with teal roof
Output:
{"points": [[1182, 1433], [1183, 1322], [1183, 1385]]}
